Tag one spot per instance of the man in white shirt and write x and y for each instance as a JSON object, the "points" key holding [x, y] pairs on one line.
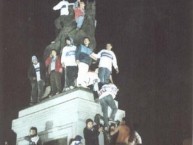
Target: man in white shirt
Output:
{"points": [[107, 60], [63, 6], [69, 64]]}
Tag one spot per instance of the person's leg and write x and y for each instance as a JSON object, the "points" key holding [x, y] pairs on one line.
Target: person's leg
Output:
{"points": [[58, 23], [101, 74], [82, 74], [107, 74], [104, 107], [52, 83], [67, 77], [34, 90], [79, 21], [112, 105], [72, 75], [58, 77], [41, 85]]}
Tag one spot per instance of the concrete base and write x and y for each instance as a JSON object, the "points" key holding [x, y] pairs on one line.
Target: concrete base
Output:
{"points": [[62, 116]]}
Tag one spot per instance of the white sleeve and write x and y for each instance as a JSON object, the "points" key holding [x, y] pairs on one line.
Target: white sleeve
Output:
{"points": [[58, 6], [99, 54], [63, 55], [138, 138], [114, 61]]}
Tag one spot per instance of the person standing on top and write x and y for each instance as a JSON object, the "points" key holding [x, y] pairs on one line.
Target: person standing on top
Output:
{"points": [[36, 75], [69, 63], [107, 60]]}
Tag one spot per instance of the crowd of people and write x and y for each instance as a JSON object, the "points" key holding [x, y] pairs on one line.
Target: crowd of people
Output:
{"points": [[118, 133], [70, 68]]}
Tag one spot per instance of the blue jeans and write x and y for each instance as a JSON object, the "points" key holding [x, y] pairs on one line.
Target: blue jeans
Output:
{"points": [[79, 21], [105, 102], [104, 75]]}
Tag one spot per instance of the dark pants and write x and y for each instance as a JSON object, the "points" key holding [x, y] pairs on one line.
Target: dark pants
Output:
{"points": [[37, 91], [55, 81], [104, 75], [59, 22], [105, 102], [71, 75]]}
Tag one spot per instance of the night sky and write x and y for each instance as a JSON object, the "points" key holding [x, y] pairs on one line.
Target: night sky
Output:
{"points": [[153, 43]]}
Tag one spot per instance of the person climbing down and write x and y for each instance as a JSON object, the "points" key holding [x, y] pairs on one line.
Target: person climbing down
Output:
{"points": [[107, 93]]}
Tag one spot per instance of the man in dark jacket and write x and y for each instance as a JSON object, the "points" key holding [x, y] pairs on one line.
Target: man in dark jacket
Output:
{"points": [[91, 133], [36, 76], [33, 137]]}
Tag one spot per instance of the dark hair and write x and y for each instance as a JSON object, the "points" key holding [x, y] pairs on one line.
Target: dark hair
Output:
{"points": [[34, 128], [86, 38], [89, 120], [77, 138]]}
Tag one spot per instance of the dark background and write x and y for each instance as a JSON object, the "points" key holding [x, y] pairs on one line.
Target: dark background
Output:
{"points": [[153, 43]]}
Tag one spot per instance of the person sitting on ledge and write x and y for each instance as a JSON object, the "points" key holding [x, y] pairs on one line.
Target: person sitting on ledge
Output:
{"points": [[53, 63], [33, 137]]}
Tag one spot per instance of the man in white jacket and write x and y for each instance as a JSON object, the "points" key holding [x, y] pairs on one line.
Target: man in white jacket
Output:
{"points": [[63, 6], [107, 60], [69, 63]]}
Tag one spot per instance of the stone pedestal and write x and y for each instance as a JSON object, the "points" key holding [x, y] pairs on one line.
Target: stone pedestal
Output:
{"points": [[62, 116]]}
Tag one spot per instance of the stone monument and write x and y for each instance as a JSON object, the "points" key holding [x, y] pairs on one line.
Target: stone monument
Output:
{"points": [[59, 118]]}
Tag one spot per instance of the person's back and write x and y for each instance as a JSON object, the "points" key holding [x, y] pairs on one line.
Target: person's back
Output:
{"points": [[123, 134]]}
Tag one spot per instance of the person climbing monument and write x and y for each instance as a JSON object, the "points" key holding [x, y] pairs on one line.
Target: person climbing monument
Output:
{"points": [[107, 93], [63, 6], [79, 13]]}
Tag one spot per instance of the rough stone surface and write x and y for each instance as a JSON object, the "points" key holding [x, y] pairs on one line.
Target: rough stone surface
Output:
{"points": [[69, 29]]}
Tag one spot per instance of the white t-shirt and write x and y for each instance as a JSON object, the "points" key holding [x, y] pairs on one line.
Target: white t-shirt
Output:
{"points": [[109, 89], [37, 69], [68, 55], [63, 7], [107, 59]]}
